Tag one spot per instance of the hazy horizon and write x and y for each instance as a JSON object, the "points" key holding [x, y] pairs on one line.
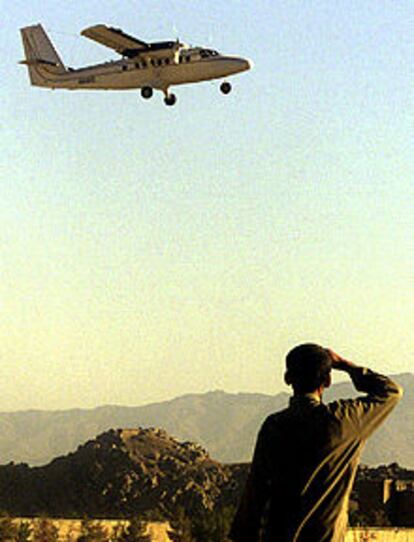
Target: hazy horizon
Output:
{"points": [[285, 390], [149, 252]]}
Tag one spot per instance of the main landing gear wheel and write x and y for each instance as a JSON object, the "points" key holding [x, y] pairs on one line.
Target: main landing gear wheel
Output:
{"points": [[170, 99], [225, 87], [147, 92]]}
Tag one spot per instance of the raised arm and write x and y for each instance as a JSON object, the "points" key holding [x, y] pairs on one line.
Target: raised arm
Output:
{"points": [[382, 394]]}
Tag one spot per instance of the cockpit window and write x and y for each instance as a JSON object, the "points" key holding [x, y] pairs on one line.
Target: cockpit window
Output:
{"points": [[206, 53]]}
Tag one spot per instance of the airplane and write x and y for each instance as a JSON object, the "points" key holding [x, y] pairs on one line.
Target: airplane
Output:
{"points": [[145, 66]]}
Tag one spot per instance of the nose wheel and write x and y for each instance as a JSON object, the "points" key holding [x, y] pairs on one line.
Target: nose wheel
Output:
{"points": [[225, 87], [170, 99], [147, 92]]}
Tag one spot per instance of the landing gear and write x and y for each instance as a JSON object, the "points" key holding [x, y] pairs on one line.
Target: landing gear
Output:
{"points": [[170, 99], [225, 87], [147, 92]]}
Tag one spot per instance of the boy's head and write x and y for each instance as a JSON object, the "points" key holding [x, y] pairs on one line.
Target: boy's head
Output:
{"points": [[308, 368]]}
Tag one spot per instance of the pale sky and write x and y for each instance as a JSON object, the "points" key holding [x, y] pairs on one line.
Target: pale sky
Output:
{"points": [[148, 252]]}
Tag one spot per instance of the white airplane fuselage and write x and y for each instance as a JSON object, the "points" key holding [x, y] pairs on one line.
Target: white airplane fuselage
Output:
{"points": [[137, 72], [159, 73]]}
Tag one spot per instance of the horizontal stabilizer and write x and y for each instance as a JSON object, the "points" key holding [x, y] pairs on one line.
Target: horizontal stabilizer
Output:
{"points": [[37, 61]]}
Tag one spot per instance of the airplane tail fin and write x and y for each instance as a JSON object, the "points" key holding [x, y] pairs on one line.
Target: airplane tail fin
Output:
{"points": [[41, 56]]}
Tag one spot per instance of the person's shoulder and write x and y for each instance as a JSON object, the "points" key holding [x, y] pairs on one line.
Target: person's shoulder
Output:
{"points": [[275, 418], [342, 407]]}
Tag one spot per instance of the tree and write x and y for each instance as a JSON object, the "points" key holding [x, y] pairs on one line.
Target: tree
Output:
{"points": [[116, 532], [181, 530], [7, 528], [92, 531], [213, 526], [134, 531], [23, 532], [44, 530], [72, 533]]}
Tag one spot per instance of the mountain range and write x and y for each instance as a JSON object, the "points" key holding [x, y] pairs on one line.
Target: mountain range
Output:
{"points": [[226, 424]]}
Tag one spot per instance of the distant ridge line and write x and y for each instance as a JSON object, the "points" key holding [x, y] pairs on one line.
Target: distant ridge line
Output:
{"points": [[224, 423]]}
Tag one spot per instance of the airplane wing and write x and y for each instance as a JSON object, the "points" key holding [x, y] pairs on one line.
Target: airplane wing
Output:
{"points": [[115, 39]]}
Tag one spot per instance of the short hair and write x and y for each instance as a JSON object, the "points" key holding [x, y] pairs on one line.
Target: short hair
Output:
{"points": [[308, 367]]}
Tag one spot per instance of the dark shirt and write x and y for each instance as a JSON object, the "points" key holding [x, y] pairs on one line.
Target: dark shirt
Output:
{"points": [[305, 463]]}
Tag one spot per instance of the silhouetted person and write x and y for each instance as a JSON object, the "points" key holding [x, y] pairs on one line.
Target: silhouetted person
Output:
{"points": [[306, 456]]}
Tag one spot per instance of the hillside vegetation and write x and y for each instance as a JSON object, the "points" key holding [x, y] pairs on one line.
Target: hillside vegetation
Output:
{"points": [[120, 474], [146, 474]]}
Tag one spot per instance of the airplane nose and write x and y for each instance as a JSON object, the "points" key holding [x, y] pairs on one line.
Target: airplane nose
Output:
{"points": [[237, 64], [248, 63]]}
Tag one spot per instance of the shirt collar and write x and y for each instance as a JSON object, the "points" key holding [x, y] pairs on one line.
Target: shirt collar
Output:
{"points": [[306, 398]]}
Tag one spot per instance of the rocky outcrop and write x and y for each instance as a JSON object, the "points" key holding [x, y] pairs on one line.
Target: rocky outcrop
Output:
{"points": [[130, 472], [121, 473]]}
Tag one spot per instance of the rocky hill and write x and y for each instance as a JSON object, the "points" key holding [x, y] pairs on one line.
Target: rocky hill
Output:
{"points": [[226, 424], [130, 472], [121, 473]]}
